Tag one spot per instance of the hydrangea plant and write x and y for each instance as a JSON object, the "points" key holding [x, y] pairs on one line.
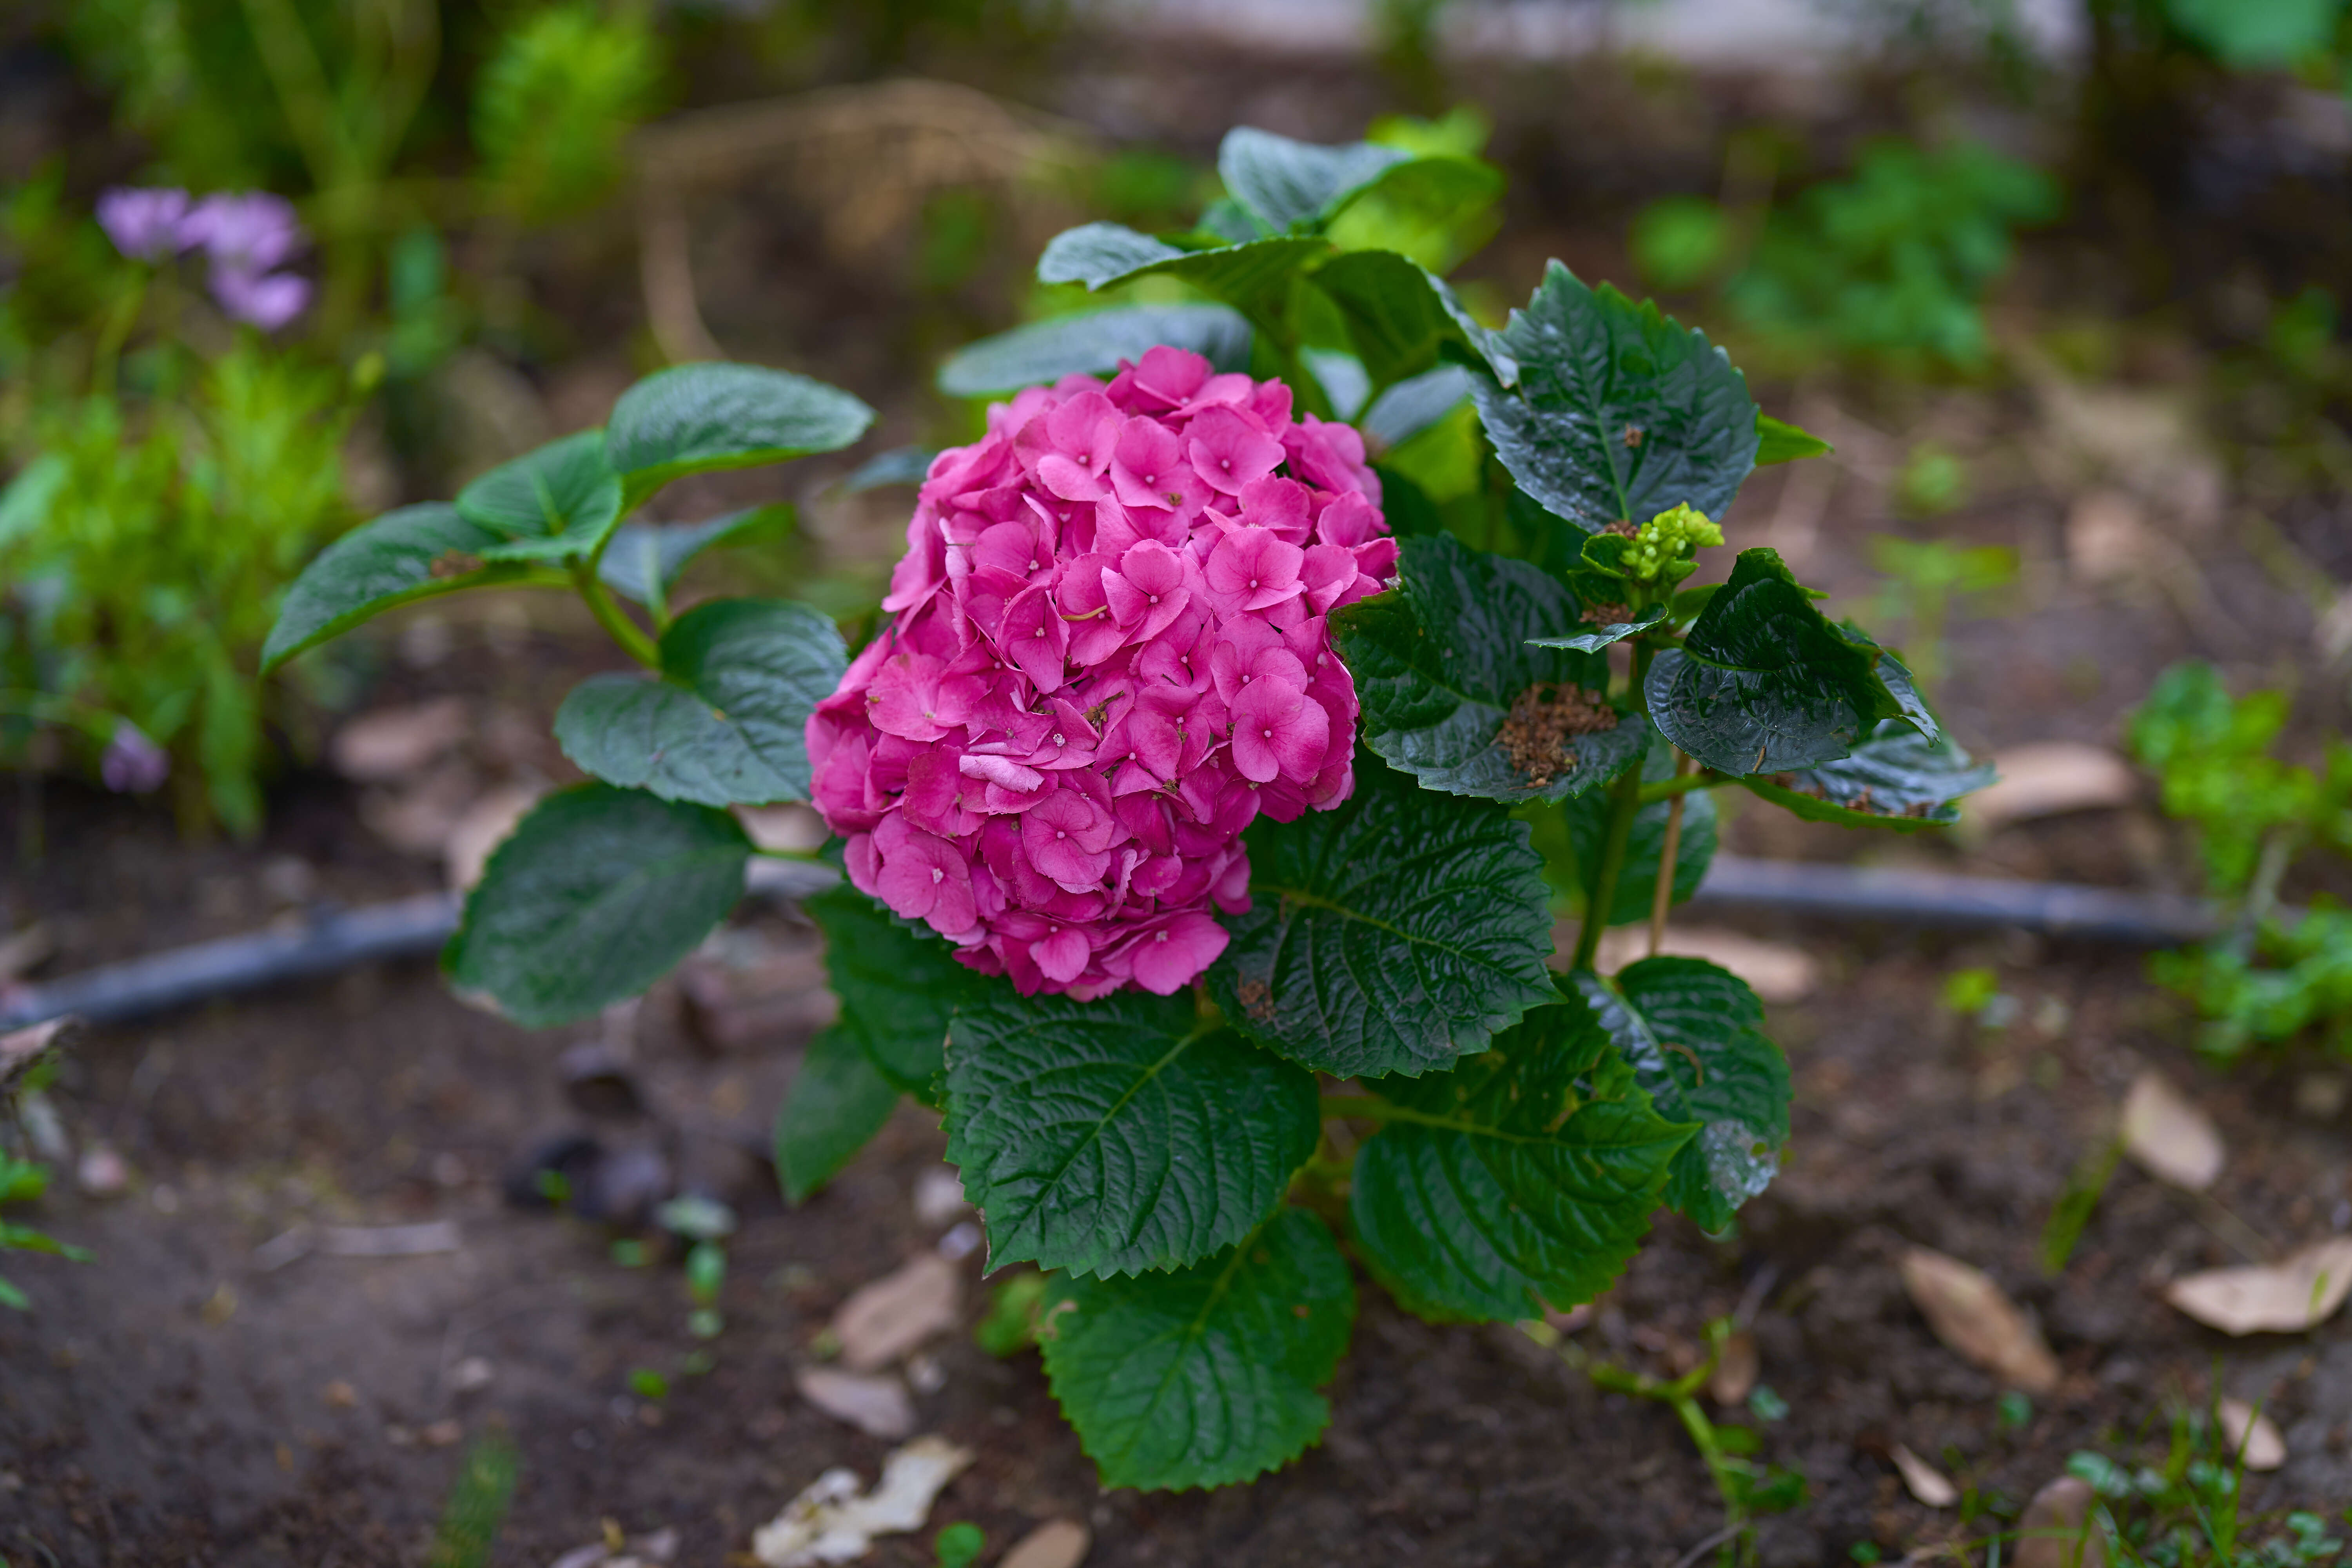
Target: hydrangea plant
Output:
{"points": [[1249, 698]]}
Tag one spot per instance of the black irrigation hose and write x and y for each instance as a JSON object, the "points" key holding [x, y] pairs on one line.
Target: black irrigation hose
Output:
{"points": [[333, 940]]}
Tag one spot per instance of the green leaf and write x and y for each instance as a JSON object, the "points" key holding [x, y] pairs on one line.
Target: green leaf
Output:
{"points": [[1620, 414], [1637, 882], [838, 1101], [898, 986], [1436, 210], [1289, 184], [643, 562], [556, 504], [1207, 1375], [1615, 631], [1766, 683], [1525, 1187], [1093, 344], [1254, 278], [723, 724], [2257, 34], [1414, 403], [598, 893], [1120, 1135], [416, 552], [1390, 934], [696, 418], [1401, 320], [1898, 778], [1777, 441], [1440, 660], [1695, 1037]]}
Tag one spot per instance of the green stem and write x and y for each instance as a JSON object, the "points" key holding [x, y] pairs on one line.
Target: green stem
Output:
{"points": [[1666, 789], [1625, 804], [609, 614], [1368, 1108], [812, 857]]}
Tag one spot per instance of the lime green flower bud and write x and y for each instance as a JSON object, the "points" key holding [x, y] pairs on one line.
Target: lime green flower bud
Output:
{"points": [[1667, 538]]}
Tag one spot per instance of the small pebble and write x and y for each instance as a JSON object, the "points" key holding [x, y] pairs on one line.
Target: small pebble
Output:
{"points": [[102, 1171], [339, 1395], [472, 1373], [961, 1242]]}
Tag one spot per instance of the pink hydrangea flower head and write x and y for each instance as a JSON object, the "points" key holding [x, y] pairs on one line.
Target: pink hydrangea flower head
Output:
{"points": [[1110, 654]]}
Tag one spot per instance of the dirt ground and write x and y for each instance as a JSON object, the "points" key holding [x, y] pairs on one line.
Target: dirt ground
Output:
{"points": [[192, 1396]]}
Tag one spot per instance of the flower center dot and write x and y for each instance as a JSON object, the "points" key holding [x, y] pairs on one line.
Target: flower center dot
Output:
{"points": [[937, 876]]}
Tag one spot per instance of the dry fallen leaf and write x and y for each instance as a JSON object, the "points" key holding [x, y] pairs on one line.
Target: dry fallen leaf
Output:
{"points": [[893, 1314], [2254, 1437], [2107, 538], [2285, 1298], [878, 1406], [830, 1522], [391, 743], [939, 1197], [1058, 1543], [1734, 1378], [2171, 1139], [1773, 970], [616, 1551], [2051, 1533], [1924, 1480], [1970, 1313], [2048, 779], [480, 828]]}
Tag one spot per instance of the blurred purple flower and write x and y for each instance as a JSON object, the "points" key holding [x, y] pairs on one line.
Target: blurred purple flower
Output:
{"points": [[267, 300], [250, 233], [133, 765], [146, 224]]}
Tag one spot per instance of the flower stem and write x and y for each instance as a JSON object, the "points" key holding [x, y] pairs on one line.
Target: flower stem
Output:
{"points": [[610, 615], [1661, 901], [1625, 805], [1681, 784]]}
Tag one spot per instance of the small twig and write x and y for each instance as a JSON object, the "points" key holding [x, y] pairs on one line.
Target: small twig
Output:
{"points": [[1707, 1545]]}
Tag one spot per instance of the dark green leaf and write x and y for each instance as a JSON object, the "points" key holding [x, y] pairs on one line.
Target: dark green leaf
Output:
{"points": [[1093, 344], [1415, 403], [1615, 631], [1898, 778], [1765, 682], [898, 986], [1390, 935], [1254, 278], [837, 1102], [1121, 1135], [1637, 882], [1778, 441], [1440, 660], [598, 894], [555, 504], [1208, 1375], [416, 552], [1695, 1037], [1401, 320], [695, 418], [723, 724], [1287, 184], [1524, 1189], [643, 559], [1620, 414]]}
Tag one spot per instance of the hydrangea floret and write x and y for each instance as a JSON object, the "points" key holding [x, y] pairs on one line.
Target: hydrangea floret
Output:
{"points": [[1110, 655]]}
